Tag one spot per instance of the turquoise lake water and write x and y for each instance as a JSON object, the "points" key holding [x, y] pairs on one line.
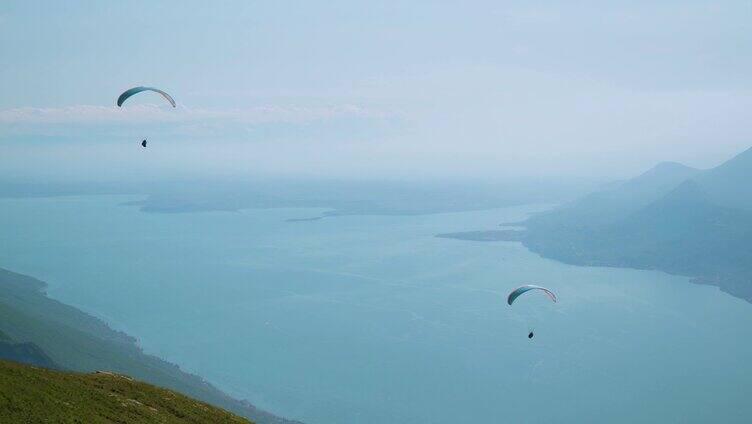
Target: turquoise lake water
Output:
{"points": [[371, 319]]}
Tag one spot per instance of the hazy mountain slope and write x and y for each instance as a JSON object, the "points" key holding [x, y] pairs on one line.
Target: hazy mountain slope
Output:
{"points": [[686, 233], [32, 395], [79, 342], [701, 228], [729, 184], [25, 353], [608, 206]]}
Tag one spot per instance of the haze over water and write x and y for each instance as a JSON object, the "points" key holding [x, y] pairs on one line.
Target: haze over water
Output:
{"points": [[372, 319]]}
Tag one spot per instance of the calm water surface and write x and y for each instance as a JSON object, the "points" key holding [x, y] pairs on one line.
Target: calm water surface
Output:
{"points": [[371, 319]]}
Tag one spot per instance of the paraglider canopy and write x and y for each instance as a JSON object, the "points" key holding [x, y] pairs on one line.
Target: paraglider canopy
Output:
{"points": [[519, 291], [526, 288], [135, 90]]}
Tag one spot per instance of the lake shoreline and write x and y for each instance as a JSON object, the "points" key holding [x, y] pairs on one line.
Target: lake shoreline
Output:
{"points": [[293, 316], [539, 247], [37, 307]]}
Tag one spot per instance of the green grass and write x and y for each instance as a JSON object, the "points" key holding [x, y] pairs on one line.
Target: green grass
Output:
{"points": [[37, 395]]}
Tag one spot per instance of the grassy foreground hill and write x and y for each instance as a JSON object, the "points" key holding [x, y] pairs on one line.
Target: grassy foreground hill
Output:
{"points": [[31, 395], [36, 328]]}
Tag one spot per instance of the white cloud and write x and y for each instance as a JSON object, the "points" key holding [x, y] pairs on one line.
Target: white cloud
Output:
{"points": [[98, 115]]}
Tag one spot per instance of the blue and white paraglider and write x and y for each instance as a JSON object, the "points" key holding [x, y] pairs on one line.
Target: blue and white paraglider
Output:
{"points": [[519, 291], [135, 90]]}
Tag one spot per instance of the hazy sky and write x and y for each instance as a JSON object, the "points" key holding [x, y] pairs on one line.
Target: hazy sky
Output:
{"points": [[373, 89]]}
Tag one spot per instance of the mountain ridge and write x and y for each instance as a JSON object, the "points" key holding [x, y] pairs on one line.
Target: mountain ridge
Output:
{"points": [[604, 207], [693, 224], [672, 218]]}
